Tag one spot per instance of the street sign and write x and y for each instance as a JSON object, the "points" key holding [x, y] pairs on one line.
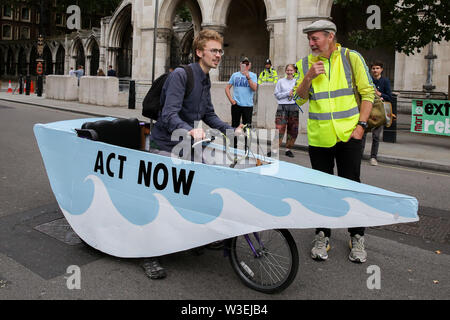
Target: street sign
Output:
{"points": [[39, 68], [431, 116]]}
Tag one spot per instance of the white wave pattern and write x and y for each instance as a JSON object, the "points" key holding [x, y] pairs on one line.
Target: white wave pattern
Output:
{"points": [[105, 229]]}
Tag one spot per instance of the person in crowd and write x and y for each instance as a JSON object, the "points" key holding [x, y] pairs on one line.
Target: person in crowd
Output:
{"points": [[335, 123], [79, 73], [383, 90], [286, 118], [269, 74], [111, 72], [244, 84], [181, 112], [100, 73]]}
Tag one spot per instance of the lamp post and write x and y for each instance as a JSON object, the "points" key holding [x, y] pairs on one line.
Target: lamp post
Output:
{"points": [[39, 65]]}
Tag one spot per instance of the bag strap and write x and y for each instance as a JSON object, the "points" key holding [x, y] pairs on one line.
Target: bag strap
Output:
{"points": [[190, 79], [355, 89]]}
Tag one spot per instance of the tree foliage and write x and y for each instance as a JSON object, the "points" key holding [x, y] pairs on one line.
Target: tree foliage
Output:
{"points": [[407, 25]]}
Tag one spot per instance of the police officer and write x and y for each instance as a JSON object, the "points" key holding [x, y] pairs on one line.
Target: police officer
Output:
{"points": [[268, 74], [335, 124]]}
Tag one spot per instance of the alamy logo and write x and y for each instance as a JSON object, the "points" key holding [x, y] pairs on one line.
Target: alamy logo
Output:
{"points": [[74, 280], [74, 20], [374, 281], [374, 21]]}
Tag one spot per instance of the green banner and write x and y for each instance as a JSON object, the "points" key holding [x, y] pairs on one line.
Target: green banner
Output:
{"points": [[431, 116]]}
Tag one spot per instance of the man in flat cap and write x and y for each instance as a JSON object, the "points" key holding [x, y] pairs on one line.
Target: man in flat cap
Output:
{"points": [[269, 74], [335, 122]]}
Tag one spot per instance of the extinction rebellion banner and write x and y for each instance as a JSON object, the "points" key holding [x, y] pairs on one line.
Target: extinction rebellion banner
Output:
{"points": [[431, 116]]}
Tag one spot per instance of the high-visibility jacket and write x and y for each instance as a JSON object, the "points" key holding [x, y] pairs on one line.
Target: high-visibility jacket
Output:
{"points": [[268, 76], [333, 110]]}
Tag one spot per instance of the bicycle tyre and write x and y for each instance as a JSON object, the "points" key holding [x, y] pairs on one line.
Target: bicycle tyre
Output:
{"points": [[250, 269]]}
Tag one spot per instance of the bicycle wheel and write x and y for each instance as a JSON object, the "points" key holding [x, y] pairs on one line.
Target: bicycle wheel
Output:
{"points": [[265, 261]]}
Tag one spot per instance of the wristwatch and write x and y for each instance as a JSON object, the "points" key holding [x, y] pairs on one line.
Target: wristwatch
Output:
{"points": [[363, 124]]}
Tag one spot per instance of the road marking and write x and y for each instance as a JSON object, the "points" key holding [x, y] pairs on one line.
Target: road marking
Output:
{"points": [[414, 170]]}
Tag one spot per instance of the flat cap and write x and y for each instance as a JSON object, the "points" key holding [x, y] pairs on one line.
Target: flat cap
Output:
{"points": [[320, 25]]}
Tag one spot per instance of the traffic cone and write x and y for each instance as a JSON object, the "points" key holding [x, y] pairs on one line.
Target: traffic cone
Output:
{"points": [[9, 87], [31, 87]]}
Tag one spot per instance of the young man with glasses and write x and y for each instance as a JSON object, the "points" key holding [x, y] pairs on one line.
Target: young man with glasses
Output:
{"points": [[181, 112]]}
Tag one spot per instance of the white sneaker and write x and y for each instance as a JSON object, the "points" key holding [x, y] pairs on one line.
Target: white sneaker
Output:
{"points": [[321, 247], [358, 252], [373, 162]]}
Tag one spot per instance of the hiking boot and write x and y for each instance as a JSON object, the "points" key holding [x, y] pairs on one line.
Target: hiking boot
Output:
{"points": [[153, 269], [321, 247], [358, 253], [289, 154], [373, 162]]}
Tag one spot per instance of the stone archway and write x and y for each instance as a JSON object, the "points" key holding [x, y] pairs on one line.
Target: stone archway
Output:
{"points": [[119, 40], [93, 57], [22, 66], [246, 35], [78, 55], [48, 62], [32, 64], [60, 58], [2, 62], [10, 62]]}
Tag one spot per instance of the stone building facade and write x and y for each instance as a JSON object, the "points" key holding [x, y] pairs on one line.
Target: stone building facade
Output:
{"points": [[258, 29]]}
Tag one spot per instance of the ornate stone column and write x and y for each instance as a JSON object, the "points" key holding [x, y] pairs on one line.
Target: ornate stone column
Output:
{"points": [[163, 37]]}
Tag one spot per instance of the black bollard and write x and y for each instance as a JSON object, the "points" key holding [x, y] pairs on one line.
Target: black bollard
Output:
{"points": [[390, 134], [39, 88], [132, 95], [20, 84], [27, 86]]}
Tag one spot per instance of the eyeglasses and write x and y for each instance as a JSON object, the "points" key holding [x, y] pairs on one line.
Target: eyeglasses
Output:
{"points": [[216, 51]]}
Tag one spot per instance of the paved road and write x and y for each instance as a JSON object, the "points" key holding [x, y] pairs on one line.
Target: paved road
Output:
{"points": [[33, 264]]}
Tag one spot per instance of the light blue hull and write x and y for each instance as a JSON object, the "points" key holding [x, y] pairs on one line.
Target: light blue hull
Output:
{"points": [[131, 203]]}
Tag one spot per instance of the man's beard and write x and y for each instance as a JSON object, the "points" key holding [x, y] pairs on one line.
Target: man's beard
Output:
{"points": [[317, 52]]}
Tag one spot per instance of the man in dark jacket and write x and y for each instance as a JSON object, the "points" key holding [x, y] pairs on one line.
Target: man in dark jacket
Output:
{"points": [[180, 112], [111, 72], [383, 90]]}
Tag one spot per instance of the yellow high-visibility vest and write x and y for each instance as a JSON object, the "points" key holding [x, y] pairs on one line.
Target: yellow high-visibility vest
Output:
{"points": [[268, 76], [333, 110]]}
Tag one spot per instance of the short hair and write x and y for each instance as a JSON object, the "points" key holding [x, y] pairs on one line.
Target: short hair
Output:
{"points": [[290, 65], [326, 33], [376, 63], [204, 36]]}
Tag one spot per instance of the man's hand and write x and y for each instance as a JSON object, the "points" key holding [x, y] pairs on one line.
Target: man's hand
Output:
{"points": [[238, 131], [197, 134], [316, 70], [358, 133]]}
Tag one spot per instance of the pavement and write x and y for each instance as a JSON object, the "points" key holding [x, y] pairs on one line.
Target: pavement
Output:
{"points": [[425, 151]]}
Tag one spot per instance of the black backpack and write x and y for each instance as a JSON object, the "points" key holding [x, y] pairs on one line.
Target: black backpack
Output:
{"points": [[151, 106]]}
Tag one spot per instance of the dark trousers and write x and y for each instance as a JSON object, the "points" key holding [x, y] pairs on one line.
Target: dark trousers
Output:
{"points": [[376, 133], [236, 113], [348, 162]]}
